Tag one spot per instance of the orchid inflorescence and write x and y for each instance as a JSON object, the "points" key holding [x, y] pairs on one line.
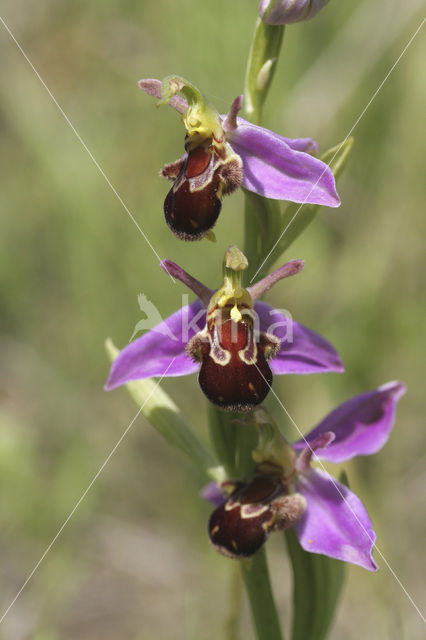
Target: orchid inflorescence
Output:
{"points": [[237, 343]]}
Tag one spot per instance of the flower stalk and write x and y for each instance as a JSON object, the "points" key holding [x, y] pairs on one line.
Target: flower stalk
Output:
{"points": [[223, 436], [263, 609], [259, 218]]}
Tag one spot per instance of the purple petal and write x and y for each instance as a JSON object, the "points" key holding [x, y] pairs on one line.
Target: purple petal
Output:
{"points": [[303, 461], [302, 351], [302, 144], [335, 522], [273, 169], [262, 286], [150, 355], [200, 290], [361, 425], [230, 119], [213, 494]]}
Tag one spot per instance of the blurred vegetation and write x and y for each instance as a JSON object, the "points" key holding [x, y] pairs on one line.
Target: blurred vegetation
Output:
{"points": [[133, 561]]}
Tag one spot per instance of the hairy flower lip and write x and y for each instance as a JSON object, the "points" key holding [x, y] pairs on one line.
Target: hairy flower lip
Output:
{"points": [[240, 526], [335, 522], [200, 180], [191, 215], [234, 371]]}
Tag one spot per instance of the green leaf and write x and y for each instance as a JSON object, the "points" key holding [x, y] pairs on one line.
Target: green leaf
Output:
{"points": [[317, 584], [297, 217], [165, 416], [337, 156]]}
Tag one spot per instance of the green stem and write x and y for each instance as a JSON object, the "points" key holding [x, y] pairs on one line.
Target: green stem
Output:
{"points": [[223, 433], [246, 440], [259, 223], [233, 439], [261, 217], [255, 221], [262, 227], [264, 52], [263, 609], [236, 600]]}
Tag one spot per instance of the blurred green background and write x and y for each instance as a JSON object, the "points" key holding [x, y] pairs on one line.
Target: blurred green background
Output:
{"points": [[134, 561]]}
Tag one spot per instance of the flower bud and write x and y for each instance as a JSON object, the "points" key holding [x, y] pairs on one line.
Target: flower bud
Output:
{"points": [[288, 11]]}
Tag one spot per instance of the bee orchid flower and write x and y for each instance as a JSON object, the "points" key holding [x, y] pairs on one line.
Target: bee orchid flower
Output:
{"points": [[226, 152], [234, 341], [287, 491]]}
